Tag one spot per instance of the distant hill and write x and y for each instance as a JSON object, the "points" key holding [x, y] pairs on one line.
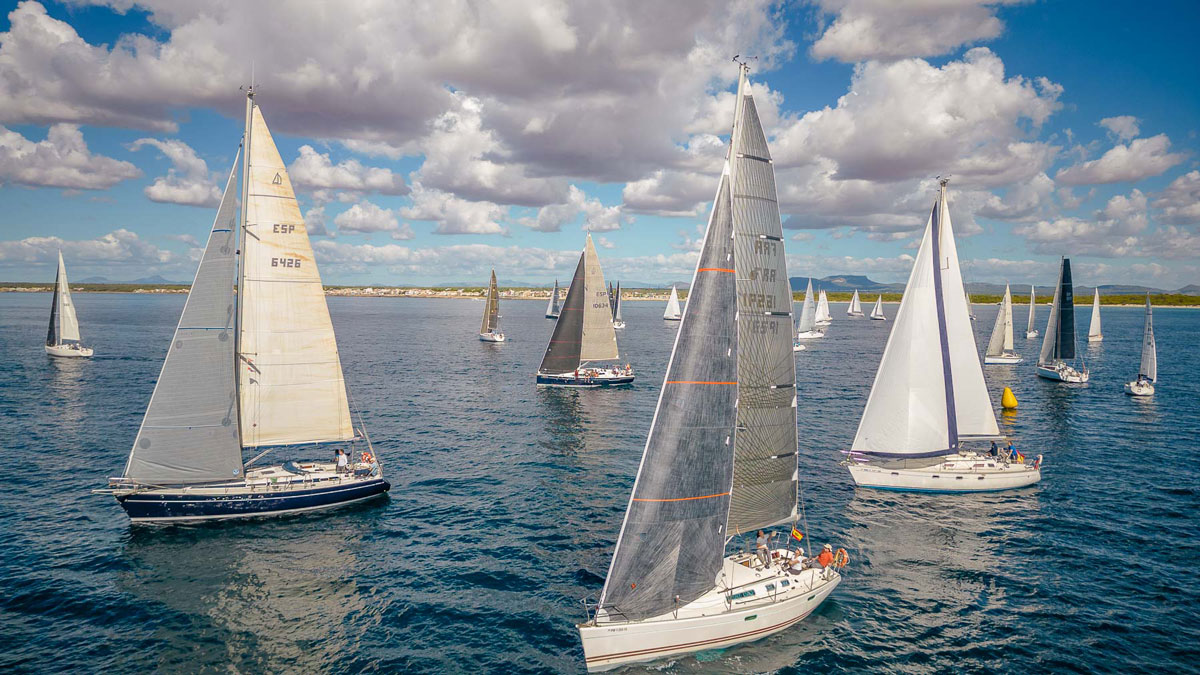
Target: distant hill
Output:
{"points": [[93, 280], [846, 282], [1190, 289]]}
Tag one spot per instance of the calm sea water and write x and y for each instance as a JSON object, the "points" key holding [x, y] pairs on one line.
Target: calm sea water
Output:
{"points": [[507, 500]]}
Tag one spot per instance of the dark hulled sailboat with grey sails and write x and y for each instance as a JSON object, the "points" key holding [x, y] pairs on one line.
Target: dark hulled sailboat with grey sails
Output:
{"points": [[720, 459], [257, 370], [1057, 360], [584, 341]]}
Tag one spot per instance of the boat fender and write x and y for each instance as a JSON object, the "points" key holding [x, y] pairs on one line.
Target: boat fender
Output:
{"points": [[841, 558]]}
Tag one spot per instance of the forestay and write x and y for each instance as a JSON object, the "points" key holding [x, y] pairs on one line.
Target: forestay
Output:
{"points": [[599, 341], [190, 431], [292, 387]]}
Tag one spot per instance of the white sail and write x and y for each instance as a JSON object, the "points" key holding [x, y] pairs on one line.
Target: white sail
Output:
{"points": [[673, 312], [823, 315], [1149, 365], [1094, 333], [970, 306], [877, 310], [1002, 333], [808, 312], [68, 323], [908, 411], [291, 383], [855, 308], [1032, 309], [599, 341]]}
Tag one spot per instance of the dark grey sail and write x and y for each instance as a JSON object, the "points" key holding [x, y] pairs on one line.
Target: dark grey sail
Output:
{"points": [[673, 537], [617, 304], [612, 301], [190, 431], [52, 333], [491, 311], [764, 467], [1065, 345], [562, 354]]}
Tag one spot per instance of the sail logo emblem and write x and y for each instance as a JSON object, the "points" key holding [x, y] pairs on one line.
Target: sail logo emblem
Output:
{"points": [[277, 180]]}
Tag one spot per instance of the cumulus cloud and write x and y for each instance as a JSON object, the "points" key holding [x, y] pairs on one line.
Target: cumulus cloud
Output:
{"points": [[187, 182], [62, 160], [1180, 202], [315, 223], [366, 218], [596, 216], [670, 193], [1123, 127], [1140, 158], [1112, 232], [454, 215], [119, 247], [863, 30], [314, 170]]}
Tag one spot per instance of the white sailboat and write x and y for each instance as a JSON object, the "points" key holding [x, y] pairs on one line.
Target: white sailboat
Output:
{"points": [[929, 396], [877, 310], [1094, 333], [807, 329], [1030, 331], [855, 308], [253, 370], [615, 300], [1058, 346], [552, 309], [823, 316], [490, 330], [584, 337], [1148, 369], [1000, 346], [62, 338], [720, 458], [672, 312]]}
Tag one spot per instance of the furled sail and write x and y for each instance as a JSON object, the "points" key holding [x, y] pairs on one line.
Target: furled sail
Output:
{"points": [[491, 309], [599, 341], [1094, 328], [190, 431], [855, 308], [672, 540], [765, 445], [562, 354], [672, 311], [808, 311], [908, 413], [1002, 333], [1032, 308], [64, 325], [1149, 365], [292, 388], [1059, 342]]}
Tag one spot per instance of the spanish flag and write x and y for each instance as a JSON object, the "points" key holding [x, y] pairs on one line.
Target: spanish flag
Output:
{"points": [[797, 534], [1020, 457]]}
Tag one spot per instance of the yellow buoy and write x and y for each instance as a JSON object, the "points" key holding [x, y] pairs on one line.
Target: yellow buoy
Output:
{"points": [[1007, 400]]}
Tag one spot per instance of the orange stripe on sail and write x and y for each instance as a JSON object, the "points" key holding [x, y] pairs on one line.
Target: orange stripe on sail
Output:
{"points": [[681, 499], [715, 269]]}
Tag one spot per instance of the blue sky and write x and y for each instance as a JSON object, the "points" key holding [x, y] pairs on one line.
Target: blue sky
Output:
{"points": [[430, 141]]}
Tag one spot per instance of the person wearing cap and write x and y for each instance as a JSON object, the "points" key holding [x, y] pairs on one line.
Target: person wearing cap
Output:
{"points": [[796, 563], [826, 557]]}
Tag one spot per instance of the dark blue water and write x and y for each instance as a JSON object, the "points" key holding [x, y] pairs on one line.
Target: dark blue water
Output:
{"points": [[507, 501]]}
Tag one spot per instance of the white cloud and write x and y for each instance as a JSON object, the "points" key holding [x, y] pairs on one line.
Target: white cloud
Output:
{"points": [[187, 182], [314, 222], [862, 30], [119, 247], [454, 215], [596, 216], [1022, 201], [366, 218], [1112, 232], [603, 242], [61, 160], [1180, 201], [670, 193], [1141, 158], [314, 170], [1123, 127]]}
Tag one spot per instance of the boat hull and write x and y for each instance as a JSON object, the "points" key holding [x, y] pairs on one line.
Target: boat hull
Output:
{"points": [[672, 318], [957, 474], [879, 318], [1139, 388], [1062, 373], [797, 347], [618, 325], [583, 381], [491, 337], [551, 316], [1031, 334], [1095, 338], [184, 505], [810, 335], [69, 351], [1002, 360]]}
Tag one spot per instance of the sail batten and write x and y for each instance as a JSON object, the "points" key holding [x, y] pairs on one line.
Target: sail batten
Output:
{"points": [[64, 324]]}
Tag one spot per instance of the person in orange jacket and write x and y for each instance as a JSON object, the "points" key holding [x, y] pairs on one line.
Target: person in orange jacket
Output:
{"points": [[826, 557]]}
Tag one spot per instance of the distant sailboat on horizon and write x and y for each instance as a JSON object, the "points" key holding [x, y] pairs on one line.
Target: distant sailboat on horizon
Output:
{"points": [[855, 308], [877, 310], [63, 338], [552, 309], [807, 329], [1058, 346], [1094, 332], [1000, 347], [823, 316], [1148, 368], [615, 300], [490, 330], [1031, 331], [672, 312]]}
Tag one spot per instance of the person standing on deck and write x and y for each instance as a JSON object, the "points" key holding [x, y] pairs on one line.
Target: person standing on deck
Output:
{"points": [[761, 546], [342, 462]]}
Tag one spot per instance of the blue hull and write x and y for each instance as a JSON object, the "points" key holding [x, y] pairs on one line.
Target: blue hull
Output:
{"points": [[182, 507], [588, 382]]}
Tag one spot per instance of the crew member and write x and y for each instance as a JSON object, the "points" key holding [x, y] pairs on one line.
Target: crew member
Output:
{"points": [[826, 557]]}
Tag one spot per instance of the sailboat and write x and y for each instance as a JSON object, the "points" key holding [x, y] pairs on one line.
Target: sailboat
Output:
{"points": [[490, 330], [552, 309], [584, 333], [1030, 331], [970, 305], [618, 322], [855, 308], [672, 313], [1000, 346], [877, 310], [62, 338], [807, 328], [1148, 369], [720, 458], [1094, 333], [929, 396], [1058, 347], [253, 370], [823, 316]]}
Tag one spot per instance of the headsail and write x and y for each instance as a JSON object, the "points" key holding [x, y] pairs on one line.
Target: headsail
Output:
{"points": [[855, 308], [491, 309], [1094, 328], [552, 308], [808, 311], [1059, 342], [64, 325], [617, 303], [292, 388], [1149, 366], [1002, 333], [562, 354], [877, 310], [672, 311], [823, 315], [190, 431], [1032, 308], [599, 341]]}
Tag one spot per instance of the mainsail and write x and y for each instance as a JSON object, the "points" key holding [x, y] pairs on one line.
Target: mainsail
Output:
{"points": [[808, 311], [855, 308], [584, 331], [672, 311], [1059, 341], [64, 325], [292, 389], [1032, 308], [1094, 328], [1149, 366], [491, 310], [910, 414], [1002, 332], [190, 431]]}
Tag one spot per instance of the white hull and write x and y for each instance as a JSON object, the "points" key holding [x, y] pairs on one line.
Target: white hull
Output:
{"points": [[810, 335], [712, 621], [491, 337], [1062, 373], [672, 318], [68, 351], [878, 318], [855, 314], [1031, 334], [618, 325], [1095, 338], [797, 347], [957, 473], [1003, 359], [1139, 388]]}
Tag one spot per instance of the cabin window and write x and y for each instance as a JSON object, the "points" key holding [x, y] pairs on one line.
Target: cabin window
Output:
{"points": [[895, 473], [743, 594], [936, 476], [770, 587], [812, 596], [785, 583], [958, 478]]}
